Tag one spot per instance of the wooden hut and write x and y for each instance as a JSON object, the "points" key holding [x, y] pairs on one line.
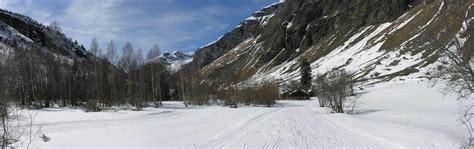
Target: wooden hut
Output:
{"points": [[296, 95]]}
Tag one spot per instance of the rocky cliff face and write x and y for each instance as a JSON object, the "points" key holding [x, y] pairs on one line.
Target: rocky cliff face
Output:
{"points": [[374, 39], [20, 31]]}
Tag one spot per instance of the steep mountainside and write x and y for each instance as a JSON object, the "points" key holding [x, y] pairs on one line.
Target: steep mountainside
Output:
{"points": [[374, 39], [20, 31]]}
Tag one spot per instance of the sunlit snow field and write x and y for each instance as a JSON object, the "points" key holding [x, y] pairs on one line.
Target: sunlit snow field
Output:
{"points": [[406, 114]]}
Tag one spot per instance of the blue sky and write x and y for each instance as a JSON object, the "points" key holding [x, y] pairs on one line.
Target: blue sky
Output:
{"points": [[173, 24]]}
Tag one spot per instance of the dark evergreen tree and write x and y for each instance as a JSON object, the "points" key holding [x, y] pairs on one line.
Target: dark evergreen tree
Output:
{"points": [[305, 73]]}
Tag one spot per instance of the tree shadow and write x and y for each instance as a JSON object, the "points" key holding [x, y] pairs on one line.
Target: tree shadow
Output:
{"points": [[364, 111], [285, 103]]}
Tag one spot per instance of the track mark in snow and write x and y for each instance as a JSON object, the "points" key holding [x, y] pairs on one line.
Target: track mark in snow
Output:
{"points": [[103, 123], [236, 132], [307, 126]]}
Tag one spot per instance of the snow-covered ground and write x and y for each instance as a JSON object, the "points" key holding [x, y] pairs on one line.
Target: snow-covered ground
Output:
{"points": [[406, 114]]}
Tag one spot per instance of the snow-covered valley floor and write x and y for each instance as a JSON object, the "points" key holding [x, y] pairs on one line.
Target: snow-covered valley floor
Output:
{"points": [[406, 114]]}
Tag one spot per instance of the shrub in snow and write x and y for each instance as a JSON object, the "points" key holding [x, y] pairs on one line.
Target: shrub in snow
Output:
{"points": [[457, 70], [92, 106], [14, 126], [267, 94], [333, 88], [200, 93], [263, 94], [45, 138], [229, 96]]}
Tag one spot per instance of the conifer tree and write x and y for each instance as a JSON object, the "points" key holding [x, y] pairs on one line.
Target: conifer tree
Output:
{"points": [[305, 73]]}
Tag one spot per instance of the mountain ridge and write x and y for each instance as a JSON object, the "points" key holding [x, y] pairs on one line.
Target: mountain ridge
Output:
{"points": [[40, 35]]}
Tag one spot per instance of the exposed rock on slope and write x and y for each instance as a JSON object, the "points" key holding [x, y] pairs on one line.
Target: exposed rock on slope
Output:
{"points": [[374, 39], [20, 31]]}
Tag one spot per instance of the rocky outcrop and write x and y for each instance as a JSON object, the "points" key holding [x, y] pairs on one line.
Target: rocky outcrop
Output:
{"points": [[247, 28], [310, 18], [43, 36]]}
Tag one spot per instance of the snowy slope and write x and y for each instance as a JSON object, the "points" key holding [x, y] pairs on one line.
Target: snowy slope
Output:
{"points": [[364, 53], [173, 60], [393, 114], [17, 30], [394, 43]]}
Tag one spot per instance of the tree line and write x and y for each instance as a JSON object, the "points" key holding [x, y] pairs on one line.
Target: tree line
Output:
{"points": [[34, 77]]}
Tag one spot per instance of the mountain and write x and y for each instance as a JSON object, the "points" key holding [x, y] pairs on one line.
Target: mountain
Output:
{"points": [[174, 60], [21, 31], [377, 40], [173, 57]]}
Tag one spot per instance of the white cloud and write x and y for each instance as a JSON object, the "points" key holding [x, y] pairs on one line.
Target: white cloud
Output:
{"points": [[86, 19], [143, 23]]}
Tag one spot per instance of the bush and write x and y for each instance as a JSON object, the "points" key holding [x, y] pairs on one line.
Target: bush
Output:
{"points": [[333, 88], [92, 106], [319, 84], [200, 94], [45, 138], [228, 95], [264, 94], [247, 95]]}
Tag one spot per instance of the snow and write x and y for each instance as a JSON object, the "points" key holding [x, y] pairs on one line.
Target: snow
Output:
{"points": [[8, 32], [263, 19], [174, 66], [173, 60], [360, 52], [406, 114], [211, 43]]}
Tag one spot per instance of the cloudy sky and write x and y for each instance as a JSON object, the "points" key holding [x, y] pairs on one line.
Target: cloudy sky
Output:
{"points": [[173, 24]]}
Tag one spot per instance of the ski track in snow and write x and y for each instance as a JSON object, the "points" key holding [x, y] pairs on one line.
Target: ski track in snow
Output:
{"points": [[233, 134], [391, 115], [52, 127], [304, 126]]}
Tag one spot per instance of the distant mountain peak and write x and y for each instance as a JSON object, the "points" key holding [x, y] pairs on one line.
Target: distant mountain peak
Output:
{"points": [[173, 59]]}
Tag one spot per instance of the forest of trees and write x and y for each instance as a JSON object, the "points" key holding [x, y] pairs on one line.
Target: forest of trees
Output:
{"points": [[35, 78]]}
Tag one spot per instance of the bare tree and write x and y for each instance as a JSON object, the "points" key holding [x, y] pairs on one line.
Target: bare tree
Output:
{"points": [[12, 127], [153, 53], [94, 49], [127, 60], [139, 80], [32, 133], [320, 83], [111, 56], [333, 88], [456, 68], [55, 26], [181, 79], [92, 104], [111, 53]]}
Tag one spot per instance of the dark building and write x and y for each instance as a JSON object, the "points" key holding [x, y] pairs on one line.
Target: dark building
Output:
{"points": [[296, 95]]}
